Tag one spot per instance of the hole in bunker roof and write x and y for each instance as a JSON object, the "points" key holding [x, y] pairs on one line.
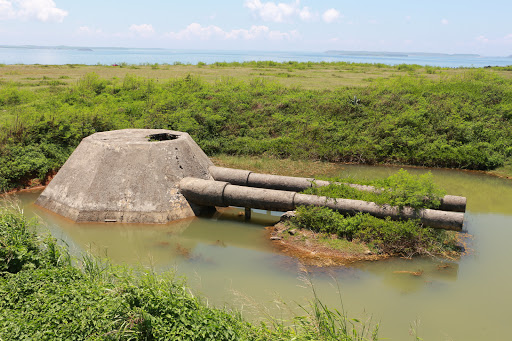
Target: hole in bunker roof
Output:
{"points": [[162, 137]]}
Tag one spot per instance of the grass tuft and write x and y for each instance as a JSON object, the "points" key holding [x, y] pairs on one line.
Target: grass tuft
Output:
{"points": [[44, 297]]}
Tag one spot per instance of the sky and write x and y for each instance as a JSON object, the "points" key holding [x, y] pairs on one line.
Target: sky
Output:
{"points": [[448, 26]]}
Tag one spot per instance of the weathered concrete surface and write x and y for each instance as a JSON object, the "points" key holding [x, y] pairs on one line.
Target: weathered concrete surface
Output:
{"points": [[297, 184], [242, 177], [432, 218], [224, 194], [122, 176]]}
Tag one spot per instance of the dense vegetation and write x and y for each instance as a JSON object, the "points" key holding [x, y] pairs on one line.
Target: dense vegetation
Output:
{"points": [[461, 120], [400, 189], [382, 236], [44, 297], [404, 238]]}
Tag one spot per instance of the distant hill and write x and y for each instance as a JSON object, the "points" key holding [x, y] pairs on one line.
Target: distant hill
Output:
{"points": [[397, 54]]}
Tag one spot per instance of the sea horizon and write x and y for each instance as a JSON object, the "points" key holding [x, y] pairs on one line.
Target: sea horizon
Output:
{"points": [[90, 55]]}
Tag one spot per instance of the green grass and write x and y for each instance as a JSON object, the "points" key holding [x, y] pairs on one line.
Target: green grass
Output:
{"points": [[383, 236], [342, 244], [276, 166], [400, 189], [21, 248], [44, 297], [458, 119], [404, 238]]}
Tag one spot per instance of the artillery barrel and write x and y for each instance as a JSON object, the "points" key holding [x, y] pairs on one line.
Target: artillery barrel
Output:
{"points": [[247, 178], [221, 193]]}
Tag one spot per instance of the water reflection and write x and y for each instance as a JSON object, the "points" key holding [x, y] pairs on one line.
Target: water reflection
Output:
{"points": [[409, 276], [231, 261], [485, 193]]}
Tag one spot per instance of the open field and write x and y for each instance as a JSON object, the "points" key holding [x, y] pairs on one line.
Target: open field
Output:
{"points": [[304, 75]]}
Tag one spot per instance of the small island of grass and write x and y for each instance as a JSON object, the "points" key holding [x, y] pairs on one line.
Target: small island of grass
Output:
{"points": [[323, 237]]}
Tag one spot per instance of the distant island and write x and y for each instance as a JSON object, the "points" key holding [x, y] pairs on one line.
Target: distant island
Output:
{"points": [[399, 54], [79, 48]]}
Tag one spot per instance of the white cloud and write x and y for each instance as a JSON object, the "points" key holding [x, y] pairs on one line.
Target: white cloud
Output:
{"points": [[277, 35], [42, 10], [331, 15], [6, 10], [89, 30], [445, 21], [280, 12], [197, 31], [488, 45], [252, 33], [306, 14], [144, 30], [482, 39], [270, 11]]}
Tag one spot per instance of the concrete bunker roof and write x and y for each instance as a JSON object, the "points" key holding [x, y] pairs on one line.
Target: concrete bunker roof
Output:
{"points": [[136, 136]]}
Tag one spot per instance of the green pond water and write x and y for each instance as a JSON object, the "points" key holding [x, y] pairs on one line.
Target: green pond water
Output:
{"points": [[229, 261]]}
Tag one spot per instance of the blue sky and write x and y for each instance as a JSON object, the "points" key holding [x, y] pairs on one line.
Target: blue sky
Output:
{"points": [[449, 26]]}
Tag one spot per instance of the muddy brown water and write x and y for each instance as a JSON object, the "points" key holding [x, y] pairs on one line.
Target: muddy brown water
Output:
{"points": [[230, 261]]}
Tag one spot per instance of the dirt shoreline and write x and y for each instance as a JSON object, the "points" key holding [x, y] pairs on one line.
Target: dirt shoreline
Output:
{"points": [[304, 245], [33, 184]]}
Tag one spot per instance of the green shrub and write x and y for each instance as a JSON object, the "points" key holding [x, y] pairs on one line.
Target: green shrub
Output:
{"points": [[404, 189], [21, 248], [400, 189], [405, 238], [68, 304], [462, 121]]}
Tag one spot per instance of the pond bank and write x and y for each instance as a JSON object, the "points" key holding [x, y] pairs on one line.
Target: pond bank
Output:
{"points": [[246, 264], [286, 167], [291, 167], [317, 249]]}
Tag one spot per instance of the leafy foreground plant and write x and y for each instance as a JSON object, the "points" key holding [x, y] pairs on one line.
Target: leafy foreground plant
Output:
{"points": [[49, 300], [21, 248]]}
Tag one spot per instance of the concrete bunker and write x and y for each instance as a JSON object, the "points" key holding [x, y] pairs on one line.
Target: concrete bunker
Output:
{"points": [[159, 176], [128, 176]]}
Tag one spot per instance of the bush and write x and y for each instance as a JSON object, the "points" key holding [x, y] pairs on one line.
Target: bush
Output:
{"points": [[462, 121], [400, 189], [404, 238], [66, 303], [21, 248]]}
